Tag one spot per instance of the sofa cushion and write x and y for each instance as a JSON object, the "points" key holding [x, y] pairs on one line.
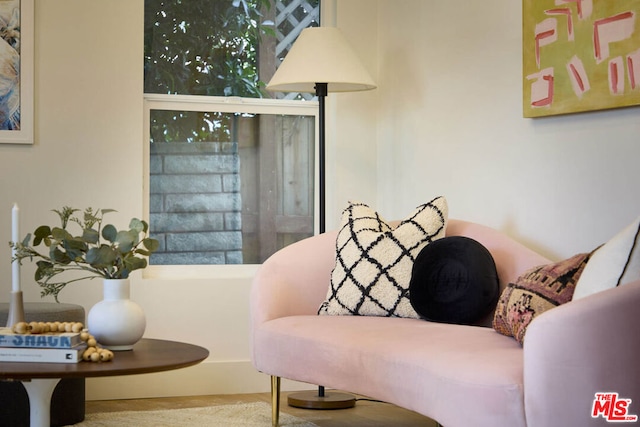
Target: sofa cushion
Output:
{"points": [[374, 260], [454, 280], [615, 263], [464, 376], [536, 291]]}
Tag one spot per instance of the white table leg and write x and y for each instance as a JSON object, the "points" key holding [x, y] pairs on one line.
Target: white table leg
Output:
{"points": [[40, 392]]}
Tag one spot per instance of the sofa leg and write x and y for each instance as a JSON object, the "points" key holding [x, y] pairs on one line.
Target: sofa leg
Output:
{"points": [[275, 401]]}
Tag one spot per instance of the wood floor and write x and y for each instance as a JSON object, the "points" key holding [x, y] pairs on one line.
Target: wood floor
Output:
{"points": [[366, 413]]}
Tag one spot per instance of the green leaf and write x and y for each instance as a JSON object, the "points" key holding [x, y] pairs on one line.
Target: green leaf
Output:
{"points": [[58, 256], [151, 244], [101, 257], [90, 236], [52, 289], [134, 263], [74, 243], [109, 232], [75, 248], [126, 240], [39, 275], [90, 218], [136, 225], [45, 269], [41, 232], [65, 215], [60, 234]]}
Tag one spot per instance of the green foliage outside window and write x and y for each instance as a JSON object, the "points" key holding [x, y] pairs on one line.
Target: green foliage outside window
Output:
{"points": [[202, 47]]}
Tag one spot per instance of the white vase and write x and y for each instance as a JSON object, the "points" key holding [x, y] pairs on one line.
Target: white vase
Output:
{"points": [[116, 322]]}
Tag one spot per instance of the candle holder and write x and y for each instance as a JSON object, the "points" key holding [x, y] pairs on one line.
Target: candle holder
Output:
{"points": [[16, 309]]}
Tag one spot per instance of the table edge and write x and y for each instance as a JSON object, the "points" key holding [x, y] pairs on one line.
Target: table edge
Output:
{"points": [[11, 376]]}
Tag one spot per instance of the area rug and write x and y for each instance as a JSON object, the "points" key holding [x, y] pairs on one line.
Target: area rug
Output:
{"points": [[256, 414]]}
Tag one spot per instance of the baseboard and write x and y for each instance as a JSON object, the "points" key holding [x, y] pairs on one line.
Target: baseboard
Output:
{"points": [[208, 377]]}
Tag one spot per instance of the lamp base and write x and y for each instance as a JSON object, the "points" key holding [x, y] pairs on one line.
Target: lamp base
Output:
{"points": [[313, 400], [16, 309]]}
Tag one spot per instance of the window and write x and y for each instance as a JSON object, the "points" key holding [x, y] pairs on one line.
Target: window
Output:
{"points": [[231, 169]]}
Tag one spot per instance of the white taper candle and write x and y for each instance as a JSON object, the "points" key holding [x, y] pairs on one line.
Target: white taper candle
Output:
{"points": [[15, 237]]}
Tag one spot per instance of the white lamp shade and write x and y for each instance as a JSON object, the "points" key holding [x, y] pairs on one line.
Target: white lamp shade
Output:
{"points": [[321, 55]]}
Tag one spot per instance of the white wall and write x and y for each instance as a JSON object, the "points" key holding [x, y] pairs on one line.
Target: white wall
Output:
{"points": [[446, 119], [89, 152], [450, 122], [352, 117], [88, 133]]}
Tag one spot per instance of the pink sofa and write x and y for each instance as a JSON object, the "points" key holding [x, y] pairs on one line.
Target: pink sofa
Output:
{"points": [[460, 376]]}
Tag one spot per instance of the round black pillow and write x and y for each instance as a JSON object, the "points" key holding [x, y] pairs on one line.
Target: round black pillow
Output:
{"points": [[454, 280]]}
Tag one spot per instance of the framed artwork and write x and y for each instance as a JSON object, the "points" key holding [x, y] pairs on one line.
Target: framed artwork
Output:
{"points": [[16, 71], [580, 55]]}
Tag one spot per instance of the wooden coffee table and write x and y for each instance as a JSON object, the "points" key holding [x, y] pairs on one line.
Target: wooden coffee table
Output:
{"points": [[148, 355]]}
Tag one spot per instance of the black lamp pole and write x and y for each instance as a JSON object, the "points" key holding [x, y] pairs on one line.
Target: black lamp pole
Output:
{"points": [[305, 399], [321, 93]]}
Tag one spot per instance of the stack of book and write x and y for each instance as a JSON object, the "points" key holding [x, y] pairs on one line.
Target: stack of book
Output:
{"points": [[64, 347]]}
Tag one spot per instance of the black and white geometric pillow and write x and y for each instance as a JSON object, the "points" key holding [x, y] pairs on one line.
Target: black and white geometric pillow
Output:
{"points": [[374, 261]]}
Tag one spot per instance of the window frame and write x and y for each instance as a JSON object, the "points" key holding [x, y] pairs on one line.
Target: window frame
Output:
{"points": [[219, 104]]}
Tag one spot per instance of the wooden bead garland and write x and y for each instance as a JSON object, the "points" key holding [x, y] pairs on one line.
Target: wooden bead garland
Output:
{"points": [[93, 352]]}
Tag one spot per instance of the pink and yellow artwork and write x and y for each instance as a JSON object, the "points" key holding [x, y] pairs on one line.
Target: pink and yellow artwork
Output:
{"points": [[580, 55]]}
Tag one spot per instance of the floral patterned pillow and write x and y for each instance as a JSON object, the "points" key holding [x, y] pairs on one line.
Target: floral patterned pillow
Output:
{"points": [[536, 291]]}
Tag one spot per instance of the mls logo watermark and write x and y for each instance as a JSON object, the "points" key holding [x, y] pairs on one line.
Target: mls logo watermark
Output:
{"points": [[612, 408]]}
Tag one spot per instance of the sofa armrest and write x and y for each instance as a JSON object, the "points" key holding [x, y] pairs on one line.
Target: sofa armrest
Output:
{"points": [[581, 348], [294, 280]]}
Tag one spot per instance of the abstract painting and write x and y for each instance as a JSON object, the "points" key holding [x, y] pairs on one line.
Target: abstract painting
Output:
{"points": [[580, 55], [16, 71]]}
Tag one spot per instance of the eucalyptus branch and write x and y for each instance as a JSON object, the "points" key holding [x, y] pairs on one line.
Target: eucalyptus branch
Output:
{"points": [[99, 251], [54, 289]]}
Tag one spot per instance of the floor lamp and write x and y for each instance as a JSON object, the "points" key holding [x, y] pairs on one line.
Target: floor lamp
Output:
{"points": [[321, 61]]}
